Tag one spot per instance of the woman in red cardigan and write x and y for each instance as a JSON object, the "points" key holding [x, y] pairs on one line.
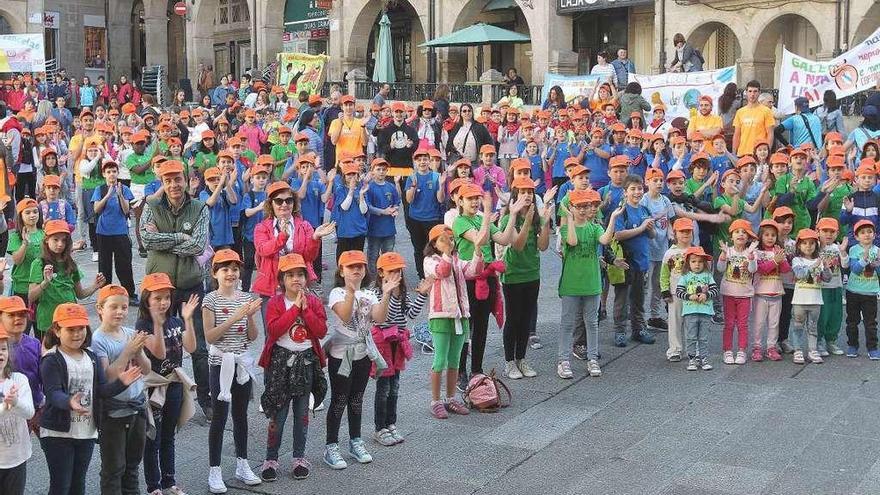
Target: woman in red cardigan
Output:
{"points": [[281, 232]]}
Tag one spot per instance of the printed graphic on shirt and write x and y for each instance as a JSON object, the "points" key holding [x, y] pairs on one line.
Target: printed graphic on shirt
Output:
{"points": [[737, 269], [812, 279], [694, 286], [676, 263], [830, 255]]}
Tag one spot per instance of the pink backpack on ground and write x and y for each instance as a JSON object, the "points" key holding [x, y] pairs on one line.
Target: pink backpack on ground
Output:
{"points": [[485, 393]]}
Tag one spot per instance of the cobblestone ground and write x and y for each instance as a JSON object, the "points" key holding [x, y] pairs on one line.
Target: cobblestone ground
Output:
{"points": [[645, 427]]}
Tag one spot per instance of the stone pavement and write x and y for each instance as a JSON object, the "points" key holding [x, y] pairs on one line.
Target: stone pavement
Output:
{"points": [[645, 427]]}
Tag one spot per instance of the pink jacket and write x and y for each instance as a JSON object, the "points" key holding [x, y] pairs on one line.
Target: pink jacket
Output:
{"points": [[269, 245], [255, 135], [396, 360], [449, 297]]}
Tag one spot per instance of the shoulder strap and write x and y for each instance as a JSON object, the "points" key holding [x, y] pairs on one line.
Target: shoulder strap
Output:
{"points": [[810, 131]]}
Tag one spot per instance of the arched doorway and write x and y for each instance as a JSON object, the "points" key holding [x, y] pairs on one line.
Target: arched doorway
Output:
{"points": [[406, 35], [718, 43], [869, 23], [138, 40], [793, 31], [5, 27], [176, 44]]}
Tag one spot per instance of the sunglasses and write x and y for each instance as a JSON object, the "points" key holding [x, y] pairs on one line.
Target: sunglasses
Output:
{"points": [[465, 111], [283, 201]]}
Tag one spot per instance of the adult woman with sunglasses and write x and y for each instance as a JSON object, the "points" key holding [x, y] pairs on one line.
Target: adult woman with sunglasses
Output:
{"points": [[283, 231], [466, 137]]}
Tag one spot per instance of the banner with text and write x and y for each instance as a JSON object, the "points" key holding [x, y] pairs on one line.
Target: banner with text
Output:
{"points": [[301, 72], [680, 92], [846, 74], [575, 88], [22, 53]]}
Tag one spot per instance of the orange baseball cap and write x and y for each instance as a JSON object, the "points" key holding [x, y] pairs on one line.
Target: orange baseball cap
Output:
{"points": [[677, 140], [53, 227], [208, 134], [300, 136], [12, 304], [390, 261], [398, 106], [156, 281], [139, 137], [427, 104], [285, 130], [653, 173], [470, 191], [346, 99], [277, 187], [225, 256], [265, 160], [697, 136], [769, 223], [805, 234], [213, 173], [866, 162], [487, 148], [379, 162], [699, 159], [463, 162], [171, 167], [290, 262], [781, 158], [522, 183], [618, 127], [438, 230], [696, 251], [315, 100], [51, 181], [46, 152], [738, 224], [833, 136], [866, 170], [111, 290], [350, 168], [728, 173], [421, 152], [70, 315], [129, 108], [827, 223], [520, 164], [675, 174], [745, 160], [836, 161], [458, 182], [582, 197], [682, 224], [862, 224], [782, 212], [577, 170], [25, 204], [619, 161], [349, 258]]}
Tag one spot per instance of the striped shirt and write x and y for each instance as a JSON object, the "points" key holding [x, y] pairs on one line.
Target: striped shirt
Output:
{"points": [[396, 315], [235, 339]]}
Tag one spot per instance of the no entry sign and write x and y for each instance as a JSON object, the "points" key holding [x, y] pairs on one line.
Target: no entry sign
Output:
{"points": [[180, 8]]}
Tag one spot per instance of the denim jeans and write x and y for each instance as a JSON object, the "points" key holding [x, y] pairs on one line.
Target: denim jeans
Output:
{"points": [[159, 452], [69, 459], [696, 331], [387, 388], [300, 405], [806, 317], [629, 302], [577, 311], [375, 247], [122, 449], [200, 356]]}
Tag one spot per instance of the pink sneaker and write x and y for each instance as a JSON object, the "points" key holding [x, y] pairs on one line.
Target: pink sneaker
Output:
{"points": [[456, 407], [757, 355], [773, 354], [438, 410]]}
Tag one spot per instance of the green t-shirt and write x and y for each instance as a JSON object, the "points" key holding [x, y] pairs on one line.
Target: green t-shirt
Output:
{"points": [[522, 266], [21, 273], [204, 161], [465, 247], [804, 192], [835, 203], [282, 152], [60, 290], [250, 155], [581, 275], [723, 233], [691, 186], [134, 160]]}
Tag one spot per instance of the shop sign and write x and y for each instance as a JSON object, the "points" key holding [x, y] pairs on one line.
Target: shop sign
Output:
{"points": [[52, 20], [573, 6]]}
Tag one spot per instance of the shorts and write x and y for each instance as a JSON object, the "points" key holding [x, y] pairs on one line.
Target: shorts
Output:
{"points": [[447, 343], [137, 190]]}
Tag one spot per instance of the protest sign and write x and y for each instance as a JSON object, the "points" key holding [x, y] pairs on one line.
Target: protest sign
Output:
{"points": [[22, 53], [681, 91], [301, 72]]}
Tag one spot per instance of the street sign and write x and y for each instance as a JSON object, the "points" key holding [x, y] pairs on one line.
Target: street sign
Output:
{"points": [[180, 8]]}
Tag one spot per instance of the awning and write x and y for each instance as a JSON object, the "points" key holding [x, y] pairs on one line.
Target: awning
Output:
{"points": [[478, 34]]}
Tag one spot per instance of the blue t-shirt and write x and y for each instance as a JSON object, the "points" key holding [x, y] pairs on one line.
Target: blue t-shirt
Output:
{"points": [[598, 166], [152, 187], [615, 196], [663, 162], [111, 220], [379, 197], [537, 173], [564, 151], [250, 200], [131, 400], [639, 164], [311, 207], [424, 206], [636, 248], [349, 223], [221, 219], [720, 164], [799, 133]]}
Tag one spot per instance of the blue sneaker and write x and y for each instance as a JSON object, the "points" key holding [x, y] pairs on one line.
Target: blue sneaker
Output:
{"points": [[620, 339], [852, 351], [358, 450], [644, 336], [333, 458], [874, 355]]}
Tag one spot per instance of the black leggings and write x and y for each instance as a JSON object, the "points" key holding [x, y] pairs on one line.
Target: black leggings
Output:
{"points": [[418, 234], [25, 185], [785, 314], [241, 395], [520, 306], [346, 391], [12, 480], [480, 311], [344, 244]]}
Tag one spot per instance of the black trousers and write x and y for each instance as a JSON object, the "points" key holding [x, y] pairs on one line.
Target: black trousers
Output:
{"points": [[480, 312], [344, 244], [241, 395], [116, 250], [12, 480], [418, 234], [785, 314], [249, 261], [346, 393], [122, 449], [520, 305], [861, 308], [25, 185]]}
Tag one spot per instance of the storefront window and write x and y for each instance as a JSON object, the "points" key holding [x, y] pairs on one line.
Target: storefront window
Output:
{"points": [[95, 47]]}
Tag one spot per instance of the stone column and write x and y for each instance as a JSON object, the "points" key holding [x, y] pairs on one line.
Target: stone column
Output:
{"points": [[156, 30], [758, 69]]}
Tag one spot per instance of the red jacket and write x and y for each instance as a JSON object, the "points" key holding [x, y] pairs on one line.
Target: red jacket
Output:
{"points": [[396, 361], [280, 321], [15, 100], [268, 249]]}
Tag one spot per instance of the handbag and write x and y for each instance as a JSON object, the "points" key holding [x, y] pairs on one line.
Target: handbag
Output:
{"points": [[485, 393]]}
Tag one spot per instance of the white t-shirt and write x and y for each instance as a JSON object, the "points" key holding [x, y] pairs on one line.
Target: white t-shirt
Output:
{"points": [[286, 341], [79, 379], [15, 442], [359, 325]]}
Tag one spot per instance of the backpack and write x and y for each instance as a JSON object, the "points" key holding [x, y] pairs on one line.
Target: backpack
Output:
{"points": [[484, 393]]}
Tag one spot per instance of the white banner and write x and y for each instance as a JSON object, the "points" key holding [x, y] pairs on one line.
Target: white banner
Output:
{"points": [[846, 74], [575, 88], [681, 91], [22, 53]]}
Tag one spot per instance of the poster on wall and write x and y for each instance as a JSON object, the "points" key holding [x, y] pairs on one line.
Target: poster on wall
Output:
{"points": [[301, 72], [846, 74], [22, 53], [575, 88], [680, 92]]}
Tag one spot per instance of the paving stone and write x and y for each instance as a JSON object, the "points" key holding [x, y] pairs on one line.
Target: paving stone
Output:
{"points": [[727, 479]]}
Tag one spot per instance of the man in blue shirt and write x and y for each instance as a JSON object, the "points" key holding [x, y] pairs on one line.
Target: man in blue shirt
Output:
{"points": [[804, 127], [634, 228], [111, 204], [622, 68]]}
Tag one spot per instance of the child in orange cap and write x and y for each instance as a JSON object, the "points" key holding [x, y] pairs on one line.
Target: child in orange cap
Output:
{"points": [[662, 212], [671, 270], [737, 263], [809, 271], [836, 258], [862, 288], [25, 244]]}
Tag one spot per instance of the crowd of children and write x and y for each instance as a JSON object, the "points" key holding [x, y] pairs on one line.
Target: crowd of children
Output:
{"points": [[769, 245]]}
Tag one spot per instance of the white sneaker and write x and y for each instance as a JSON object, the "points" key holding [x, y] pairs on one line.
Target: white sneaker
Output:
{"points": [[525, 369], [815, 357], [94, 257], [728, 357], [244, 473], [563, 369], [593, 368], [798, 357], [215, 480], [740, 358], [512, 371]]}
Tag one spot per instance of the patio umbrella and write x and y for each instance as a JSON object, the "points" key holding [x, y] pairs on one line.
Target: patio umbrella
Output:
{"points": [[479, 34], [383, 70]]}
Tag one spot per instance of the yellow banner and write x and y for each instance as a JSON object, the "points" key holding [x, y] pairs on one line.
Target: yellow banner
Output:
{"points": [[301, 72]]}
